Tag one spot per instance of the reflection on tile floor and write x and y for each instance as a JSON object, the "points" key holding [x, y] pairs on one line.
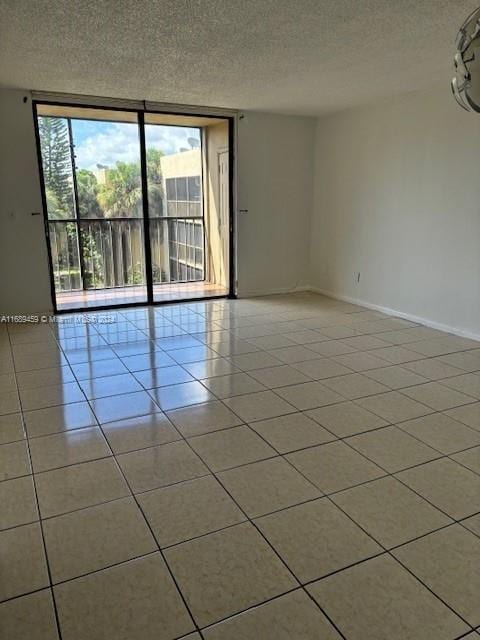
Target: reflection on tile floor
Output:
{"points": [[71, 300], [286, 467]]}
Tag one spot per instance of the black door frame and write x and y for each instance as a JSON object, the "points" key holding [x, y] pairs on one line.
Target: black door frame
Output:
{"points": [[231, 294]]}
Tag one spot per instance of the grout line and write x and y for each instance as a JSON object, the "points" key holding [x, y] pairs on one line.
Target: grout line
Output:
{"points": [[280, 363], [335, 439], [40, 523], [388, 550], [264, 538], [153, 535]]}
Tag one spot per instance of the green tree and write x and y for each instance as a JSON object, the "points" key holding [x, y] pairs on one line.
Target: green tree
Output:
{"points": [[54, 208], [88, 189], [121, 195], [154, 181], [57, 167]]}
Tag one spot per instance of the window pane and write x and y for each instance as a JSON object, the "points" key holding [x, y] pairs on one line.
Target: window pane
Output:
{"points": [[182, 189], [181, 232], [173, 228], [198, 235], [189, 239], [194, 190], [108, 177], [195, 209], [170, 188], [57, 167], [182, 209], [178, 257]]}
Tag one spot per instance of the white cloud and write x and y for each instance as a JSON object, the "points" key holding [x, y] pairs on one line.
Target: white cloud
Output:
{"points": [[120, 143]]}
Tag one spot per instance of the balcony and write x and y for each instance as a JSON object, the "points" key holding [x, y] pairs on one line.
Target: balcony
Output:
{"points": [[112, 270]]}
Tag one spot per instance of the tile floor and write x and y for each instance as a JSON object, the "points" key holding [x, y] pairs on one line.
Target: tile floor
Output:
{"points": [[287, 467]]}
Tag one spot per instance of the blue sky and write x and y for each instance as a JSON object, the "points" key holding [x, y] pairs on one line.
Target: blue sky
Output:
{"points": [[106, 142]]}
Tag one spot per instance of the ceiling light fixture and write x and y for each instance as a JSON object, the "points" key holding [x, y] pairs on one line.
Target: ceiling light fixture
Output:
{"points": [[466, 82]]}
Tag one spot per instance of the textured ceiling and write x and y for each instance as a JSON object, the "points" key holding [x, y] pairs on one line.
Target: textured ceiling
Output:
{"points": [[287, 56]]}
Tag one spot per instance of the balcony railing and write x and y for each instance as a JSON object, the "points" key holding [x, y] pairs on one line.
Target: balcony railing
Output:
{"points": [[112, 252], [109, 253], [65, 254], [177, 247]]}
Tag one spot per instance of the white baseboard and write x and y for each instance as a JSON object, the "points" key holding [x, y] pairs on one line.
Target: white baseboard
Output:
{"points": [[399, 314]]}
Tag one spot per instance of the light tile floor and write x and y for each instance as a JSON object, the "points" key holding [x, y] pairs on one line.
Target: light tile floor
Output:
{"points": [[286, 467]]}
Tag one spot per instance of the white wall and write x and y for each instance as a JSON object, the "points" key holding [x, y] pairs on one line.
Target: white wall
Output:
{"points": [[397, 198], [275, 172], [24, 281]]}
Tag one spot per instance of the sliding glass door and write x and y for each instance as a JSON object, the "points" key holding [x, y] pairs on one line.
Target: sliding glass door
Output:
{"points": [[110, 207], [133, 203], [93, 189], [175, 207]]}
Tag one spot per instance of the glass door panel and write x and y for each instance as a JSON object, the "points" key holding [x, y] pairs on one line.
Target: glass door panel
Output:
{"points": [[109, 191], [58, 177], [93, 188], [175, 203]]}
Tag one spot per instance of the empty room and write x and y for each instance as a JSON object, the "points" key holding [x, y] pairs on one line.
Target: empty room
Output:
{"points": [[240, 320]]}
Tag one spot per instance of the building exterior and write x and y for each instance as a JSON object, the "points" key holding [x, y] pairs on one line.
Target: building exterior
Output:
{"points": [[178, 236]]}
